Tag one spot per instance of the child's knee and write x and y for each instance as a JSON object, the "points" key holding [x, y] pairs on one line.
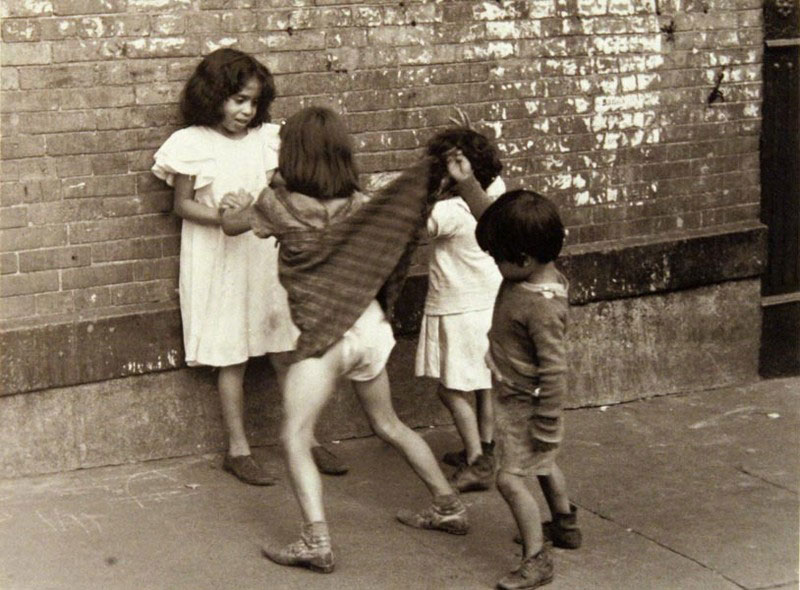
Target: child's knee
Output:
{"points": [[388, 429], [508, 483]]}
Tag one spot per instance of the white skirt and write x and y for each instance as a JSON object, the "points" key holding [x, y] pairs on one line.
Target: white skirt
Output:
{"points": [[452, 348]]}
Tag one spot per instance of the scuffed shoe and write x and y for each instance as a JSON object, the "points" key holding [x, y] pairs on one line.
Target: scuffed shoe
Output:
{"points": [[312, 550], [245, 468], [327, 462], [459, 458], [455, 458], [534, 571], [447, 514], [475, 477], [563, 531]]}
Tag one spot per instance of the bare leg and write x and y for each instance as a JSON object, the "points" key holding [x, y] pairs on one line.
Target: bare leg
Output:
{"points": [[464, 418], [307, 387], [484, 409], [230, 383], [554, 488], [525, 510], [375, 398], [280, 365]]}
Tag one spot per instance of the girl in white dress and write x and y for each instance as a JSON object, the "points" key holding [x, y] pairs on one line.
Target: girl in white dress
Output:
{"points": [[232, 305], [462, 285]]}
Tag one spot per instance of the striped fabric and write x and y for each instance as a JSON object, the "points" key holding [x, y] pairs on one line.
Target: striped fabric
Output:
{"points": [[333, 273]]}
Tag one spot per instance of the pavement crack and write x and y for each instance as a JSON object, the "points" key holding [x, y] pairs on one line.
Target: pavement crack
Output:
{"points": [[779, 585], [764, 479], [667, 547]]}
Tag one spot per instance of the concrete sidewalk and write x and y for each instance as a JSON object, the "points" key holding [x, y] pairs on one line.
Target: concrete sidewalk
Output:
{"points": [[696, 491]]}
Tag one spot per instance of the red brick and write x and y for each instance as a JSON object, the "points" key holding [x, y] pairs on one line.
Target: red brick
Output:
{"points": [[97, 275], [57, 122], [239, 21], [24, 54], [160, 268], [16, 239], [24, 146], [21, 30], [168, 24], [17, 8], [51, 258], [13, 217], [98, 186], [60, 302], [91, 98], [147, 94], [29, 283], [9, 263], [72, 7], [29, 100], [17, 307], [161, 5], [136, 249], [92, 298], [56, 76], [204, 23]]}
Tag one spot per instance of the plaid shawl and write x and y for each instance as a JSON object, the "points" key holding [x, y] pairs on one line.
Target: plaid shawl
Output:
{"points": [[331, 274]]}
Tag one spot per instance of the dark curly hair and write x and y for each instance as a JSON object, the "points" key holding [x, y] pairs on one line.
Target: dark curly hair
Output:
{"points": [[219, 76], [519, 223], [476, 147]]}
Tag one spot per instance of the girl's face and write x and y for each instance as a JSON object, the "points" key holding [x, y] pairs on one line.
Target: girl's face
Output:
{"points": [[239, 109]]}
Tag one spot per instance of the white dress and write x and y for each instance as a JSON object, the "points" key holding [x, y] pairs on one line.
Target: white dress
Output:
{"points": [[232, 305], [462, 286]]}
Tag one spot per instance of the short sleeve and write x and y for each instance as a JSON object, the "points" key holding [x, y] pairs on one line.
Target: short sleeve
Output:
{"points": [[449, 217], [187, 151], [271, 144], [496, 188]]}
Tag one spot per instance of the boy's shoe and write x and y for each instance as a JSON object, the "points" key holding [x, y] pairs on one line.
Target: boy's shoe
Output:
{"points": [[312, 550], [247, 470], [534, 571], [447, 513], [475, 477], [563, 531], [459, 458], [327, 462]]}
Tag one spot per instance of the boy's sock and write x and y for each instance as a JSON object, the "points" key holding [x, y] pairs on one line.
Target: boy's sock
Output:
{"points": [[563, 530], [312, 550], [488, 447], [477, 476], [447, 513]]}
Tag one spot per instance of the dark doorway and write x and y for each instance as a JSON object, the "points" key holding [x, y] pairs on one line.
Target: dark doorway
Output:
{"points": [[780, 189]]}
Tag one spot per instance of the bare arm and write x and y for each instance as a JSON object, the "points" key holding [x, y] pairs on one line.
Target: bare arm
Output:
{"points": [[186, 207], [236, 221], [468, 186]]}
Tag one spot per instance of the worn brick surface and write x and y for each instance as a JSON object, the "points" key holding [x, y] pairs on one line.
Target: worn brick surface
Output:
{"points": [[594, 103]]}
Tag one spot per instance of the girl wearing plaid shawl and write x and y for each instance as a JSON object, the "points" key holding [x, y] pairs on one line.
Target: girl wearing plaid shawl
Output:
{"points": [[341, 252]]}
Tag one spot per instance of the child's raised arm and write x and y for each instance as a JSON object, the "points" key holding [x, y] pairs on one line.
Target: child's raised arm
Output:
{"points": [[469, 189]]}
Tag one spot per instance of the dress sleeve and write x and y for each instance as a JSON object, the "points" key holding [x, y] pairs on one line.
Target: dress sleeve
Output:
{"points": [[271, 143], [496, 188], [187, 151], [449, 217]]}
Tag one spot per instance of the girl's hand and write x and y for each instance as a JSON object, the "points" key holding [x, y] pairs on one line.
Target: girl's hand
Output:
{"points": [[458, 166], [238, 200]]}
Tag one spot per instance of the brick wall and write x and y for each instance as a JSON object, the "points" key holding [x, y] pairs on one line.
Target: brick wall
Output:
{"points": [[638, 117]]}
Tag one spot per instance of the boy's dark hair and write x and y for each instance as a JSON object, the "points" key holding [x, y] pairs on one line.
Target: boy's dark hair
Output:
{"points": [[476, 147], [220, 75], [316, 156], [521, 222]]}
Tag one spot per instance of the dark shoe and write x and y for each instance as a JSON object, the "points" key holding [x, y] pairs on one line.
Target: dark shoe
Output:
{"points": [[459, 458], [247, 470], [563, 531], [455, 458], [449, 516], [475, 477], [312, 551], [327, 462], [535, 571]]}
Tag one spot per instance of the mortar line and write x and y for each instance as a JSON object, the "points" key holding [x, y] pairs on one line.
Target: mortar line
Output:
{"points": [[668, 548]]}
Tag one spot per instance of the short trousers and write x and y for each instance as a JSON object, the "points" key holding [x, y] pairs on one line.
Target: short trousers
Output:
{"points": [[452, 348], [518, 452], [366, 346]]}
